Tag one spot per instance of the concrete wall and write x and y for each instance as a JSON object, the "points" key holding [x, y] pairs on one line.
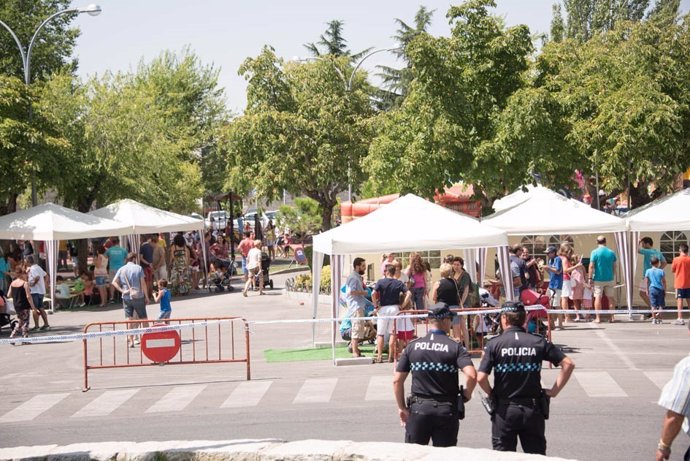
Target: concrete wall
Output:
{"points": [[258, 450]]}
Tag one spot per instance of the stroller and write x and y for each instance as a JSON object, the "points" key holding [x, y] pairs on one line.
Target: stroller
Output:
{"points": [[5, 318], [265, 266]]}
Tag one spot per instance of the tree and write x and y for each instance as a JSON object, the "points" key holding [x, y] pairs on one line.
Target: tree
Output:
{"points": [[625, 105], [462, 84], [301, 132], [136, 135], [396, 82], [557, 24], [587, 18], [52, 51], [304, 218], [333, 43], [21, 143]]}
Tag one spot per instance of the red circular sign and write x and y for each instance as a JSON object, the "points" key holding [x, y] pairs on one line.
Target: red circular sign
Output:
{"points": [[160, 346]]}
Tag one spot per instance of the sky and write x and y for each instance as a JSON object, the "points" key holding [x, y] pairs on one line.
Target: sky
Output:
{"points": [[225, 32]]}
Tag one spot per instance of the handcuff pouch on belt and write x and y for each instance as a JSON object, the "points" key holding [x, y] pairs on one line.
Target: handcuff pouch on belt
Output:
{"points": [[544, 404]]}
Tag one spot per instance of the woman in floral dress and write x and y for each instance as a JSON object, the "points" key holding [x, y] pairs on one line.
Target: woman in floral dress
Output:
{"points": [[180, 274]]}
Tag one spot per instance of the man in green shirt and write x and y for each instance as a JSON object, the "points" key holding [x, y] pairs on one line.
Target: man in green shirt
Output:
{"points": [[602, 271]]}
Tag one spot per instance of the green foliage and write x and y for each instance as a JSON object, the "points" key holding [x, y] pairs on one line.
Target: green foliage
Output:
{"points": [[52, 50], [300, 131], [396, 82], [23, 146], [303, 218], [587, 18], [134, 135], [623, 99], [463, 83]]}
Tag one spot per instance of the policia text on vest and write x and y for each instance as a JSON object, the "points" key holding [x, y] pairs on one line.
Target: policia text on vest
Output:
{"points": [[437, 402], [517, 403]]}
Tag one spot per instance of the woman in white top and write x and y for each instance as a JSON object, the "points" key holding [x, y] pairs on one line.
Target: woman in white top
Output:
{"points": [[254, 268]]}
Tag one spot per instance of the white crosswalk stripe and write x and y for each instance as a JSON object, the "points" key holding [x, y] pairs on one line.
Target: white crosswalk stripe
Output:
{"points": [[247, 394], [177, 399], [595, 384], [380, 388], [599, 384], [660, 378], [316, 390], [105, 403], [33, 407]]}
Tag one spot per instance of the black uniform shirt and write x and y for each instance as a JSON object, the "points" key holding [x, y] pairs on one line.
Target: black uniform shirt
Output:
{"points": [[434, 361], [517, 356]]}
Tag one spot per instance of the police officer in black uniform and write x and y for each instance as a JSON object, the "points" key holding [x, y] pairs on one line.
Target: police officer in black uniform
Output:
{"points": [[519, 404], [433, 409]]}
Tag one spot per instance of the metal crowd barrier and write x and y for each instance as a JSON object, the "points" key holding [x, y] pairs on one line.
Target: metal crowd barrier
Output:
{"points": [[216, 343]]}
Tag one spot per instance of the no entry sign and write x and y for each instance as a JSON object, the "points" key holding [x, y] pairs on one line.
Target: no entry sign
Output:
{"points": [[160, 346]]}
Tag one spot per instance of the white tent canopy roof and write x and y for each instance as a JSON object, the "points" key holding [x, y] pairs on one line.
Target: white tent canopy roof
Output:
{"points": [[54, 222], [547, 214], [409, 223], [521, 195], [145, 219], [664, 214]]}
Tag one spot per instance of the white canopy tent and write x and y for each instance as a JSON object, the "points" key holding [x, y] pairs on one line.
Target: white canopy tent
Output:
{"points": [[52, 223], [544, 213], [408, 223], [144, 219], [664, 214], [521, 195]]}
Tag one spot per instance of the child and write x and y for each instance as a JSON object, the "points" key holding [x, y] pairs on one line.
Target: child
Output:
{"points": [[86, 295], [163, 296], [655, 281], [577, 284]]}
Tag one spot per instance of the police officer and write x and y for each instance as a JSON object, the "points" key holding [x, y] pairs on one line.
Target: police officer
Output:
{"points": [[520, 406], [433, 409]]}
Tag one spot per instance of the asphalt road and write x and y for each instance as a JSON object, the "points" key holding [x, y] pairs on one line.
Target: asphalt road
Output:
{"points": [[607, 412]]}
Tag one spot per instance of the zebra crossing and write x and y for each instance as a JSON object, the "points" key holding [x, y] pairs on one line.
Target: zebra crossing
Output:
{"points": [[250, 394]]}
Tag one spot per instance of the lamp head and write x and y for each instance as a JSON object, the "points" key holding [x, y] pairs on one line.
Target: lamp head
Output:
{"points": [[92, 10]]}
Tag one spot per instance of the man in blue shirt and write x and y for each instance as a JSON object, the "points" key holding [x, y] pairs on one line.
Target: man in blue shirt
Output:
{"points": [[645, 248], [602, 271], [555, 268]]}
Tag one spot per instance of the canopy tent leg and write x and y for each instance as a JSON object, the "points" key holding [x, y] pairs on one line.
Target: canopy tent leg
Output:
{"points": [[316, 265], [624, 247], [52, 260], [336, 272], [504, 267], [481, 259]]}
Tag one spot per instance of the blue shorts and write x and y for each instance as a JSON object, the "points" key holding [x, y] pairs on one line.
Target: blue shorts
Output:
{"points": [[38, 300], [101, 280], [244, 265], [683, 293], [134, 305], [164, 315], [657, 297]]}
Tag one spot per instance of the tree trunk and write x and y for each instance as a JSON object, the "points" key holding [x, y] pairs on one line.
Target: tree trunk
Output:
{"points": [[82, 254], [10, 206], [326, 214]]}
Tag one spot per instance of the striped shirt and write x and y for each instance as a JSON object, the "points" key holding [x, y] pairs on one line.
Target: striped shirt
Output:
{"points": [[676, 393]]}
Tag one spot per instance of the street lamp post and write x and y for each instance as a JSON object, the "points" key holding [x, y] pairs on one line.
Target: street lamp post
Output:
{"points": [[91, 10], [348, 88]]}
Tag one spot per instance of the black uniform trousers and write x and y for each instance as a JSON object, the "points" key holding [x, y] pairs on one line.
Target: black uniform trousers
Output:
{"points": [[431, 419], [511, 421]]}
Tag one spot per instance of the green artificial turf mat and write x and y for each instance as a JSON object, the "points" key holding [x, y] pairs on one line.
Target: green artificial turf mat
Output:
{"points": [[310, 353]]}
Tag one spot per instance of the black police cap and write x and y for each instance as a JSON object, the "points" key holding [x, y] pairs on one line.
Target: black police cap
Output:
{"points": [[440, 311], [512, 306]]}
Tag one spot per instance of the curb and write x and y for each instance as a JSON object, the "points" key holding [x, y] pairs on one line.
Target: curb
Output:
{"points": [[259, 450]]}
